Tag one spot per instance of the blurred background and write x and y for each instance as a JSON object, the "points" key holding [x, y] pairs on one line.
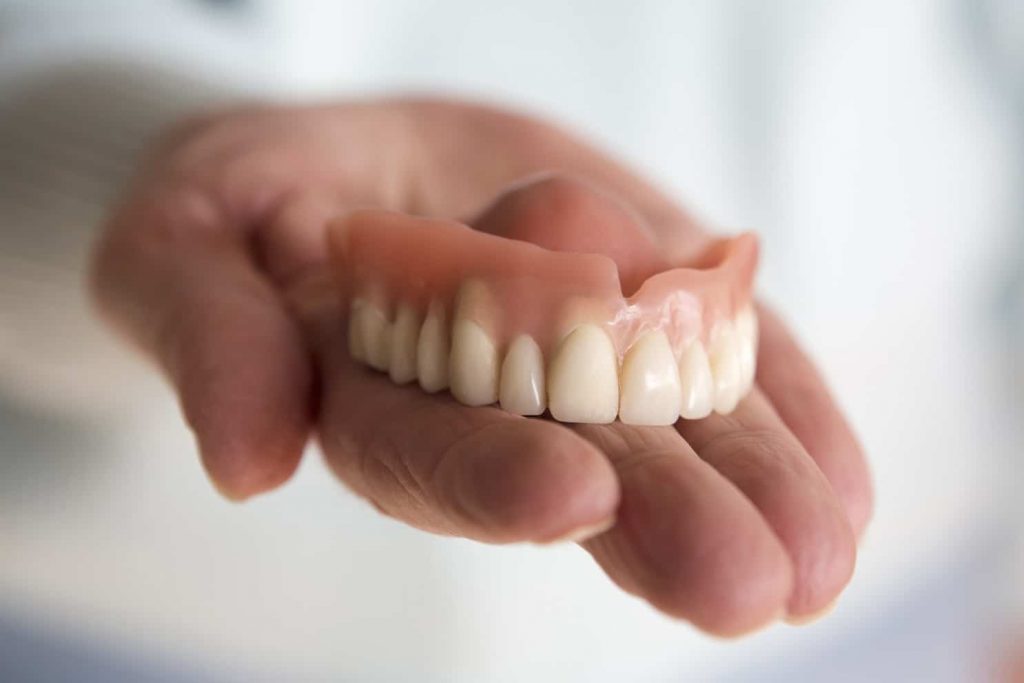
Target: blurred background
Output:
{"points": [[878, 147]]}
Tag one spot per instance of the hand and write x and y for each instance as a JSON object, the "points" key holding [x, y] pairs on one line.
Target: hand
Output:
{"points": [[216, 265]]}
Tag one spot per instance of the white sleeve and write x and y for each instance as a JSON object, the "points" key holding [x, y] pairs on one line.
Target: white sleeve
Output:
{"points": [[73, 118]]}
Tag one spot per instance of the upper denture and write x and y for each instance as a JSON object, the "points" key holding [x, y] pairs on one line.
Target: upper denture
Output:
{"points": [[488, 290]]}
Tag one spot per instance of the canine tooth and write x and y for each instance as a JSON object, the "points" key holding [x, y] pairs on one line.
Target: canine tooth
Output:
{"points": [[698, 384], [746, 331], [583, 382], [522, 389], [356, 349], [375, 333], [404, 337], [725, 367], [432, 351], [473, 367], [650, 391]]}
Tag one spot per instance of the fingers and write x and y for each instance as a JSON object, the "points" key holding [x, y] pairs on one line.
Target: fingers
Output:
{"points": [[756, 452], [188, 294], [686, 539], [799, 396], [562, 213], [475, 472]]}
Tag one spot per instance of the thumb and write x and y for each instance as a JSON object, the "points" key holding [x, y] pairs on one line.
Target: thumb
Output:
{"points": [[179, 280]]}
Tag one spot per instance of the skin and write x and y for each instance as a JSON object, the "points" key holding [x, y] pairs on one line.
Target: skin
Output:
{"points": [[215, 265]]}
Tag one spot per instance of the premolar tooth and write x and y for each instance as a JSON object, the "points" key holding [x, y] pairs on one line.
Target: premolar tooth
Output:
{"points": [[583, 382], [432, 351], [725, 367], [698, 385], [375, 336], [473, 366], [650, 389], [522, 389], [404, 337], [356, 349]]}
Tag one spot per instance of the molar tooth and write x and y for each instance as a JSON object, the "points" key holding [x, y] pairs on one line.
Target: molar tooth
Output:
{"points": [[356, 349], [697, 382], [522, 389], [583, 382], [404, 338], [473, 368], [375, 336], [650, 389], [725, 367], [432, 351]]}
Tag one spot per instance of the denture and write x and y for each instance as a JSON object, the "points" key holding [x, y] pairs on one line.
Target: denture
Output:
{"points": [[585, 337]]}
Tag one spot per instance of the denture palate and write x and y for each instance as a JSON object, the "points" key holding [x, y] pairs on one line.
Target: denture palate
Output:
{"points": [[501, 321]]}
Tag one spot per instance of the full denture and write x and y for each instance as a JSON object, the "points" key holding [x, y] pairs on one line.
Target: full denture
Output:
{"points": [[500, 320]]}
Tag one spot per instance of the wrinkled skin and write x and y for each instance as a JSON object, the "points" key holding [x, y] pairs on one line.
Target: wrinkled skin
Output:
{"points": [[215, 264]]}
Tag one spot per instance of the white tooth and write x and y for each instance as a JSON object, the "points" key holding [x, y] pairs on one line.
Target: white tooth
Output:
{"points": [[650, 382], [725, 367], [473, 365], [375, 334], [356, 349], [404, 336], [583, 381], [697, 382], [432, 351], [522, 388], [746, 331]]}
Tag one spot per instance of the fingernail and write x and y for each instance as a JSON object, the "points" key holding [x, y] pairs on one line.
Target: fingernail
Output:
{"points": [[804, 619], [583, 533]]}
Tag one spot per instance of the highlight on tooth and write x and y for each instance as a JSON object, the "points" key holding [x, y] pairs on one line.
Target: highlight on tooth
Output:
{"points": [[522, 389], [526, 322]]}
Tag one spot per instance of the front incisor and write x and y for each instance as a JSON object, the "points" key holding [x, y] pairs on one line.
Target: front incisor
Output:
{"points": [[725, 367], [746, 332], [355, 330], [583, 381], [522, 389], [650, 389], [473, 366], [697, 383], [373, 332], [432, 351], [404, 337]]}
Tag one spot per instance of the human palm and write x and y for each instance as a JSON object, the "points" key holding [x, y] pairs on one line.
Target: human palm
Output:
{"points": [[216, 263]]}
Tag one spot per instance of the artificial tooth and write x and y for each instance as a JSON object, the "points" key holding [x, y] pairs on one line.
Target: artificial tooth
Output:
{"points": [[746, 332], [725, 367], [522, 390], [356, 349], [698, 385], [650, 391], [404, 337], [432, 351], [473, 367], [375, 334], [583, 382]]}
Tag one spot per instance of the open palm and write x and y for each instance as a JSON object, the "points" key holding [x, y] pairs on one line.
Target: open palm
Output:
{"points": [[216, 264]]}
